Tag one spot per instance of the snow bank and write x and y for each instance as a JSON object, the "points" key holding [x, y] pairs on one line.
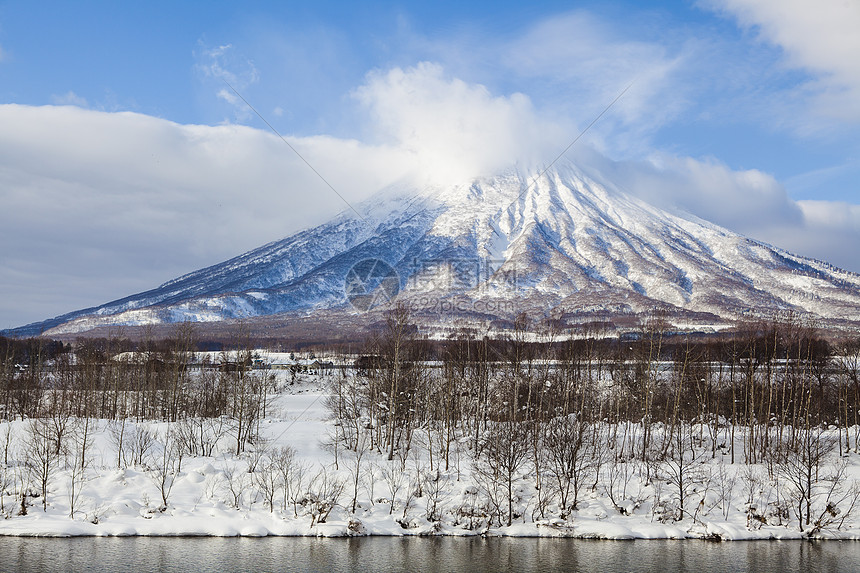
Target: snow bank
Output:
{"points": [[217, 496]]}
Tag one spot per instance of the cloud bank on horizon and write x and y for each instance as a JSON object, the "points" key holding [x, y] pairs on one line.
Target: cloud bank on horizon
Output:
{"points": [[100, 203]]}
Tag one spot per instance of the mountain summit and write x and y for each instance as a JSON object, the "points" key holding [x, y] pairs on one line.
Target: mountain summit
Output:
{"points": [[555, 243]]}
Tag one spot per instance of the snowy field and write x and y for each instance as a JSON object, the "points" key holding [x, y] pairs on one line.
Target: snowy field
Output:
{"points": [[138, 489]]}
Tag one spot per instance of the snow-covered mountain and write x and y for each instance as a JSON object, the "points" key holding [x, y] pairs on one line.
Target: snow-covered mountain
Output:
{"points": [[562, 242]]}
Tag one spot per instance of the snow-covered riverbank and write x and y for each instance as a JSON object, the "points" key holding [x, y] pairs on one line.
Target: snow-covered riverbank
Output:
{"points": [[250, 494]]}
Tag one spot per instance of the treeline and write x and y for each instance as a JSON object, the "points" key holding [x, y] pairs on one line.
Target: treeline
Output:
{"points": [[104, 379], [29, 352], [776, 373]]}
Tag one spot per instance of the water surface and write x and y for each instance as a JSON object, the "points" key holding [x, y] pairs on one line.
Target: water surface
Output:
{"points": [[386, 554]]}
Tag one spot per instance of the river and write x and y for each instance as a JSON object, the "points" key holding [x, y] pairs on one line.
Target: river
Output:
{"points": [[420, 554]]}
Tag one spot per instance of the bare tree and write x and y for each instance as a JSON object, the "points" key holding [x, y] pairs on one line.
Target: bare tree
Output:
{"points": [[504, 451], [838, 498], [261, 446], [6, 472], [393, 476], [199, 435], [799, 470], [567, 448], [268, 482], [682, 468], [354, 464], [725, 484], [40, 449], [116, 430], [848, 364], [296, 486], [435, 483], [6, 438], [166, 463], [323, 496], [236, 480], [392, 378], [134, 446], [283, 462], [81, 441]]}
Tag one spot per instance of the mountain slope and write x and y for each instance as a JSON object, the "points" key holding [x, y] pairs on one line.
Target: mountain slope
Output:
{"points": [[563, 242]]}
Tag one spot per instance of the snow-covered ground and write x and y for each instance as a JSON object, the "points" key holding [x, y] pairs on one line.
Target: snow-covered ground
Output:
{"points": [[219, 495]]}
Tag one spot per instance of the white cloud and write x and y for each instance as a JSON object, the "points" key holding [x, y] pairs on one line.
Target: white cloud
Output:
{"points": [[749, 202], [573, 64], [830, 232], [228, 95], [453, 129], [744, 201], [223, 64], [70, 98], [586, 55], [821, 37], [100, 205]]}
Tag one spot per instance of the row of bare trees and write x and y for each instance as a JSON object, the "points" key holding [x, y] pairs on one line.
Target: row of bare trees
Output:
{"points": [[778, 374], [163, 381], [64, 396], [578, 412]]}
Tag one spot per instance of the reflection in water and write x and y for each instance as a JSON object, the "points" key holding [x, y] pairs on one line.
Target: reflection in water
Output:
{"points": [[420, 554]]}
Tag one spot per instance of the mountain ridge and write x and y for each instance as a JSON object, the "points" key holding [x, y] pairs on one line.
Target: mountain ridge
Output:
{"points": [[515, 241]]}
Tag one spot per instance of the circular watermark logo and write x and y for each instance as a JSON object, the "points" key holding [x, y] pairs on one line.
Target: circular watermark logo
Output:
{"points": [[370, 283]]}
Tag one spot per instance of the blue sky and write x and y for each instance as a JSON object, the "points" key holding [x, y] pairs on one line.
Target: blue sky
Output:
{"points": [[125, 160]]}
